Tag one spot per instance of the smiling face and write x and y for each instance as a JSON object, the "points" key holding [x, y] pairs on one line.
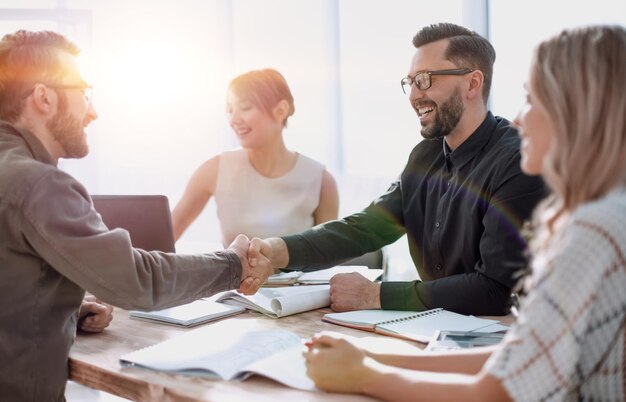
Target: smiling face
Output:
{"points": [[536, 131], [73, 113], [441, 106], [253, 126]]}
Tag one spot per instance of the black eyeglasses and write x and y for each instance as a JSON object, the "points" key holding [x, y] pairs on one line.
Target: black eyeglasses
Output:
{"points": [[423, 81], [86, 89]]}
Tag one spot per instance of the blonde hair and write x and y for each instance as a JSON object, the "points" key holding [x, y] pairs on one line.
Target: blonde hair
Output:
{"points": [[579, 76]]}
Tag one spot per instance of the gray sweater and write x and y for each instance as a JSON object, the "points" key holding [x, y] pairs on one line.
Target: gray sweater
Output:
{"points": [[53, 247]]}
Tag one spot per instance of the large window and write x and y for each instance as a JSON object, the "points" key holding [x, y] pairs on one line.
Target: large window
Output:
{"points": [[517, 27], [160, 70]]}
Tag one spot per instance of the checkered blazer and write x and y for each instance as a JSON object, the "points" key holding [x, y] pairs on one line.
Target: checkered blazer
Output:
{"points": [[568, 342]]}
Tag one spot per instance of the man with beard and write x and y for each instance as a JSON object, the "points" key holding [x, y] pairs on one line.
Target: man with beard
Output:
{"points": [[53, 244], [461, 198]]}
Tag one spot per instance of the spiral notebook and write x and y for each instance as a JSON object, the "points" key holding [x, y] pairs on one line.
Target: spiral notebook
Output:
{"points": [[416, 326]]}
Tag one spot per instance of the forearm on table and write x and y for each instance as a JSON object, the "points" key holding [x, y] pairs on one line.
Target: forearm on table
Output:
{"points": [[471, 293], [396, 384], [465, 361]]}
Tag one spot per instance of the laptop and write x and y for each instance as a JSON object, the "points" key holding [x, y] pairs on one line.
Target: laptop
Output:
{"points": [[146, 218]]}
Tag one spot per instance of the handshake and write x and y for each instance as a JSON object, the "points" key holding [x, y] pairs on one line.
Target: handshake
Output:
{"points": [[259, 259]]}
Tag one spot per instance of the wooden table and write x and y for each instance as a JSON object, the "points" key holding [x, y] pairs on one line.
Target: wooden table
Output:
{"points": [[94, 362]]}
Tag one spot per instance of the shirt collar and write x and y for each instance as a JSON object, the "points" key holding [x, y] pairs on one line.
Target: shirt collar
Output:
{"points": [[33, 144], [472, 145]]}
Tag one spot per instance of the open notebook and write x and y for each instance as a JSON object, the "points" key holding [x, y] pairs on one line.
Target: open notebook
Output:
{"points": [[282, 301], [223, 351], [417, 326]]}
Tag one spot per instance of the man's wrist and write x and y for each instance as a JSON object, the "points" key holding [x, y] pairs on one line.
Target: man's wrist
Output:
{"points": [[375, 297], [234, 265], [280, 253]]}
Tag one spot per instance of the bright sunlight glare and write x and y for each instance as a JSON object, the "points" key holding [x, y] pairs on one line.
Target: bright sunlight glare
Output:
{"points": [[151, 75]]}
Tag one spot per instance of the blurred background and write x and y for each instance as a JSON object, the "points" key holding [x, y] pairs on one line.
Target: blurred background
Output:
{"points": [[160, 68]]}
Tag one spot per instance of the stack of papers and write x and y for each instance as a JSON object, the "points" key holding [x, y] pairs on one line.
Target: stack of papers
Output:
{"points": [[188, 315], [321, 277], [283, 279]]}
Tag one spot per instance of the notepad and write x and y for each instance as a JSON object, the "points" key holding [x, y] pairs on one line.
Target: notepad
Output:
{"points": [[228, 353], [190, 314], [417, 326], [281, 302], [322, 276]]}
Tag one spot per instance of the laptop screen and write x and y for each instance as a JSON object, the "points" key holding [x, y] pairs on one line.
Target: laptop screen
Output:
{"points": [[146, 218]]}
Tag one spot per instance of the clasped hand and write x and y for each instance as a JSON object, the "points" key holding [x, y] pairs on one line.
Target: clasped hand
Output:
{"points": [[335, 363], [255, 266]]}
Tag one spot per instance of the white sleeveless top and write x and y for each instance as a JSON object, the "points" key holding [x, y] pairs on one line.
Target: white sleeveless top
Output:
{"points": [[257, 206]]}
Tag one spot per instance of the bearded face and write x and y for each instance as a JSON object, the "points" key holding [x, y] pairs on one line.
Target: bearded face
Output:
{"points": [[448, 115], [68, 131]]}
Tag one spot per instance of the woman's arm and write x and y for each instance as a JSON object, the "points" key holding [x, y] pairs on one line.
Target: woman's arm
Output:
{"points": [[199, 190], [394, 384], [337, 365], [467, 361], [328, 208]]}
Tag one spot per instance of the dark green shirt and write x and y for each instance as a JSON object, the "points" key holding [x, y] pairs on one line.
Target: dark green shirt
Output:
{"points": [[462, 212]]}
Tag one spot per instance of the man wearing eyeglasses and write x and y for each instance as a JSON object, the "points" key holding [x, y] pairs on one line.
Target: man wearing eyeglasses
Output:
{"points": [[53, 244], [461, 199]]}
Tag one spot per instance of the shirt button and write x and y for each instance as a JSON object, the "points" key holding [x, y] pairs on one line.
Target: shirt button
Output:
{"points": [[438, 267], [437, 224]]}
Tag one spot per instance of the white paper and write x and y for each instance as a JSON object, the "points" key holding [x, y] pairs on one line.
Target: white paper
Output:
{"points": [[190, 314], [324, 275], [284, 278], [419, 326], [282, 301], [286, 367], [210, 352], [321, 277], [368, 317], [422, 328]]}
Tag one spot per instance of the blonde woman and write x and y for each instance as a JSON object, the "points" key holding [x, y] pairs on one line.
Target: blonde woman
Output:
{"points": [[262, 189], [569, 341]]}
